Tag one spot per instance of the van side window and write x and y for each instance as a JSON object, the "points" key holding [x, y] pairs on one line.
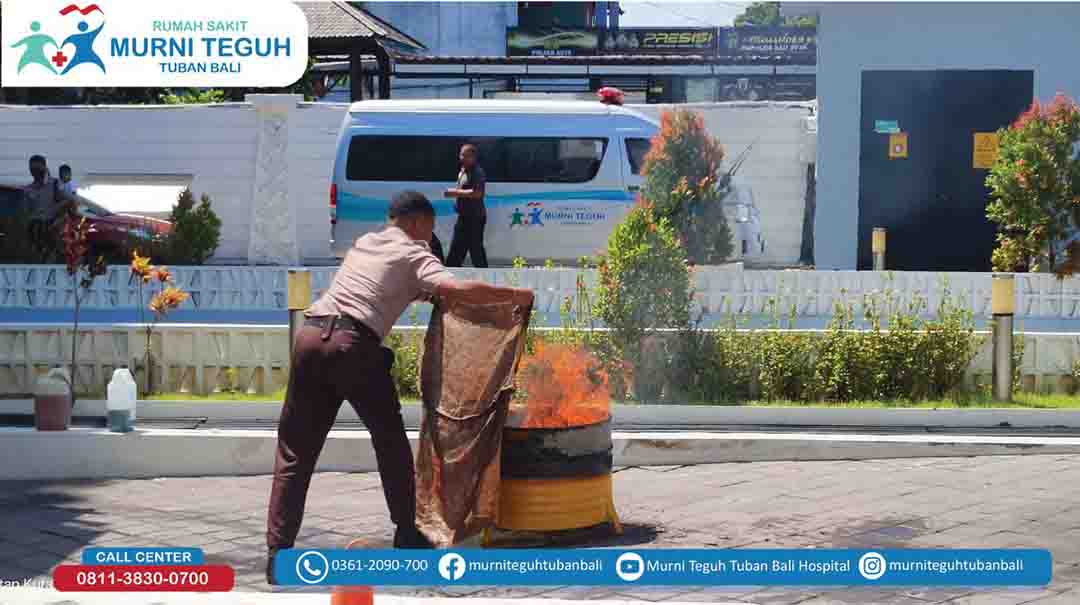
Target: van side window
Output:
{"points": [[505, 160], [636, 150], [403, 158], [550, 160]]}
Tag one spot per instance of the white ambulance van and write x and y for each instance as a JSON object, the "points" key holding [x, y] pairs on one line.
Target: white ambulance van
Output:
{"points": [[560, 174]]}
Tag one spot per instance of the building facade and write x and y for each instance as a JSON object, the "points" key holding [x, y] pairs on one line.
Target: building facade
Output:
{"points": [[571, 49], [929, 76]]}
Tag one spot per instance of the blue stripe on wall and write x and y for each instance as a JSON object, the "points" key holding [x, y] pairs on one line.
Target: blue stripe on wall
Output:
{"points": [[358, 208]]}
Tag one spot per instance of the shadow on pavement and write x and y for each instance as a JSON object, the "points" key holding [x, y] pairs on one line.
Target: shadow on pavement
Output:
{"points": [[44, 526]]}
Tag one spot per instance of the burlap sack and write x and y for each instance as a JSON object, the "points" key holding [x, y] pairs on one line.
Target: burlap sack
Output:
{"points": [[466, 379]]}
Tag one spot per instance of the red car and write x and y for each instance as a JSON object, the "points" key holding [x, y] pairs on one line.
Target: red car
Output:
{"points": [[109, 232]]}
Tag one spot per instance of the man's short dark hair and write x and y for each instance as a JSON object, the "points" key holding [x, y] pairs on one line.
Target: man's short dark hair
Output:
{"points": [[37, 158], [65, 168], [410, 203]]}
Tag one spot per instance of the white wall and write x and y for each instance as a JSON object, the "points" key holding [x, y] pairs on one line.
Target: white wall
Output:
{"points": [[775, 168], [217, 145], [214, 145], [220, 145], [853, 37]]}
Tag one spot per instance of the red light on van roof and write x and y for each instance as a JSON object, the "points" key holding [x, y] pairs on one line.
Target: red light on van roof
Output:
{"points": [[610, 96]]}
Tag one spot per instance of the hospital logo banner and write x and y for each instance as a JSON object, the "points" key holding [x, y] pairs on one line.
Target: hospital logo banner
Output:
{"points": [[128, 43]]}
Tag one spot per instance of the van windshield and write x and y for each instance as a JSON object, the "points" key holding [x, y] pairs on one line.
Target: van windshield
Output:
{"points": [[636, 149], [504, 160]]}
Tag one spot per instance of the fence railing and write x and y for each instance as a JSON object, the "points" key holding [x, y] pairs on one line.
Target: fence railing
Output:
{"points": [[719, 291]]}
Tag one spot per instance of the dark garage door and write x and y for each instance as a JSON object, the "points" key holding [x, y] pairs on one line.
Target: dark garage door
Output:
{"points": [[933, 202]]}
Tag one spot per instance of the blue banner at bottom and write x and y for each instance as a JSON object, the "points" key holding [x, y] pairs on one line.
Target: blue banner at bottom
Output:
{"points": [[644, 567]]}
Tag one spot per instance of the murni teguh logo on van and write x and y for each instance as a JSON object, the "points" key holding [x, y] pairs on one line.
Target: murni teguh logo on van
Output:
{"points": [[536, 215], [42, 50], [532, 217]]}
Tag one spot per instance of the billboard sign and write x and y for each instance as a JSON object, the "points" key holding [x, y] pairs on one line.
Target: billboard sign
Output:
{"points": [[787, 42], [660, 41], [551, 42]]}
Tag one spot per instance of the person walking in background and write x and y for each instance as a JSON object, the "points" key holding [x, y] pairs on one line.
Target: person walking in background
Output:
{"points": [[67, 185], [46, 202], [471, 214], [338, 355]]}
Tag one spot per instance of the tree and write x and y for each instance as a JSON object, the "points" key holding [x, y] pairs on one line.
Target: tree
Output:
{"points": [[767, 14], [682, 180], [1035, 190]]}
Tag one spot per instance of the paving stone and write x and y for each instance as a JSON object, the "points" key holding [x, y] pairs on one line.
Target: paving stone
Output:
{"points": [[1070, 597], [1004, 597], [781, 596], [716, 595], [862, 597], [983, 502], [580, 593]]}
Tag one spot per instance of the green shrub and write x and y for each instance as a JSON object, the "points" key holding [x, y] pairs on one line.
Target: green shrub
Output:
{"points": [[644, 288], [408, 350], [196, 231], [17, 246]]}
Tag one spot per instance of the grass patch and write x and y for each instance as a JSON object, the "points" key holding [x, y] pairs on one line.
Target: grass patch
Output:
{"points": [[275, 397], [1023, 400]]}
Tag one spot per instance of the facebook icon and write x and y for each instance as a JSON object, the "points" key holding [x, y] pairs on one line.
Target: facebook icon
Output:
{"points": [[452, 566]]}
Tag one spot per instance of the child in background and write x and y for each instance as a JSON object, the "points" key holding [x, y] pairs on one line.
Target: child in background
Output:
{"points": [[67, 185]]}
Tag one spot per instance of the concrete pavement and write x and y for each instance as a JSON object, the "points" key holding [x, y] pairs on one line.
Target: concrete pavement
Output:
{"points": [[985, 502]]}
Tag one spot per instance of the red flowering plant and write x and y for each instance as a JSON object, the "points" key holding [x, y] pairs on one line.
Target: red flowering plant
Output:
{"points": [[82, 268], [1035, 190], [684, 183], [165, 297]]}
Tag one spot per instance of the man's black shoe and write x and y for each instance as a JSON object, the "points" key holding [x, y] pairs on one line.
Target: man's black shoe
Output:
{"points": [[410, 537], [271, 554]]}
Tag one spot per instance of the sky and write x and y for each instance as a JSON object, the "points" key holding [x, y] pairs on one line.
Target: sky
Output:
{"points": [[665, 13]]}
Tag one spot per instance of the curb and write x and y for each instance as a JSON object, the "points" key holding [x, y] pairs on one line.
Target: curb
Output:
{"points": [[150, 453], [628, 416]]}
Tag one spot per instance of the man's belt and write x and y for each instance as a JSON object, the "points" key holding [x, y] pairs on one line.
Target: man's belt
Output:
{"points": [[340, 322]]}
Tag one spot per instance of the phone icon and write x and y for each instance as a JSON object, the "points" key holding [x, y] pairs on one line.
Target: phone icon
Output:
{"points": [[312, 567]]}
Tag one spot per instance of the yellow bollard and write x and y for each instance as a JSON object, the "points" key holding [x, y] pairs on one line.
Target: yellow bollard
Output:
{"points": [[1002, 303], [877, 246], [299, 298]]}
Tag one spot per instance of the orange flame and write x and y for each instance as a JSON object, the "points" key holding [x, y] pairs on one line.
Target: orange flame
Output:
{"points": [[561, 386]]}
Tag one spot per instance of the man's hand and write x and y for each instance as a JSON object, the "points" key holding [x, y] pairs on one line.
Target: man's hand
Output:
{"points": [[482, 293], [523, 297]]}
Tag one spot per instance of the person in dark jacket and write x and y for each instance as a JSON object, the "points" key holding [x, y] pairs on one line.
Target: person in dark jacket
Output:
{"points": [[472, 216]]}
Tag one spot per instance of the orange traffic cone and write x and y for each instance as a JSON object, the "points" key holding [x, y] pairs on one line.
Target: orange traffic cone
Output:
{"points": [[353, 595]]}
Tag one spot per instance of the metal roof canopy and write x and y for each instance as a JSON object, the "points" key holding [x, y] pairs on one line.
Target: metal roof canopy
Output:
{"points": [[586, 67], [337, 28]]}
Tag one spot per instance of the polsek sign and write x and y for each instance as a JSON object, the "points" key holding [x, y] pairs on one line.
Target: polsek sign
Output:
{"points": [[126, 43]]}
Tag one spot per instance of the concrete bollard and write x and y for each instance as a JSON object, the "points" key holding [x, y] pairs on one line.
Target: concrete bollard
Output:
{"points": [[299, 295], [877, 246], [1002, 302]]}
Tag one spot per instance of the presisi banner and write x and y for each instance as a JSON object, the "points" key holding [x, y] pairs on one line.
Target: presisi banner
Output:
{"points": [[660, 41], [791, 43], [664, 567]]}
